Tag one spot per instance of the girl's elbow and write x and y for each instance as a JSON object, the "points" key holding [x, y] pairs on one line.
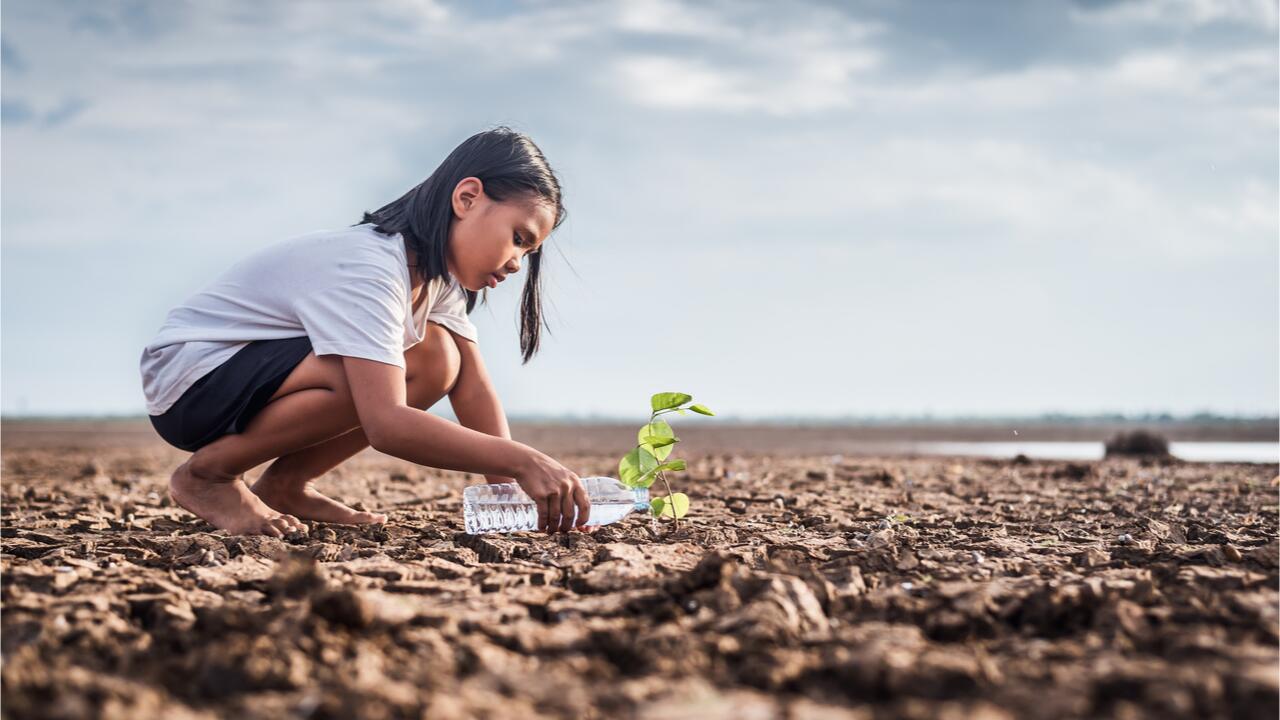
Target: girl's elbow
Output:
{"points": [[380, 431]]}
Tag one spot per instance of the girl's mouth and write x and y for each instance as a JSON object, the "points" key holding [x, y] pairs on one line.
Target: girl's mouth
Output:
{"points": [[493, 280]]}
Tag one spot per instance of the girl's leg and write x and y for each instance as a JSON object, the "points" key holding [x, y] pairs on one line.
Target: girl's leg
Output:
{"points": [[286, 483], [311, 407]]}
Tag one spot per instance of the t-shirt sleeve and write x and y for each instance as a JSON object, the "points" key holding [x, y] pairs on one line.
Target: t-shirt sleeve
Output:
{"points": [[361, 318], [450, 310]]}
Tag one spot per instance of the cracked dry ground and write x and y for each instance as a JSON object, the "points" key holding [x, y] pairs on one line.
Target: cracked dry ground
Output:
{"points": [[801, 587]]}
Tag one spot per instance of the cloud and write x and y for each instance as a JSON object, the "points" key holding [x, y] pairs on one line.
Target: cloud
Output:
{"points": [[812, 83], [745, 61], [15, 112], [10, 59], [1259, 14], [667, 17], [66, 111]]}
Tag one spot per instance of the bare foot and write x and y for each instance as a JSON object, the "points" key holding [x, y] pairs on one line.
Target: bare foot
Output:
{"points": [[306, 502], [229, 505]]}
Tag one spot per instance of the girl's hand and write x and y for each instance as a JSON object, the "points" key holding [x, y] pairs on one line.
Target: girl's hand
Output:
{"points": [[556, 491]]}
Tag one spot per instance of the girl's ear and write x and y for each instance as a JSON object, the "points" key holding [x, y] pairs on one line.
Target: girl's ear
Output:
{"points": [[466, 195]]}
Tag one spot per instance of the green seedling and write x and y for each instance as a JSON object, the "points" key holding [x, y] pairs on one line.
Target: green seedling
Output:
{"points": [[651, 459]]}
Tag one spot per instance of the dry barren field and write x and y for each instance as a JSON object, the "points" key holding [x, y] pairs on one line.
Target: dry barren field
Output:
{"points": [[803, 585]]}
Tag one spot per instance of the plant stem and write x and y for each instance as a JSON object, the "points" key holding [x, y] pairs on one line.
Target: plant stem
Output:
{"points": [[671, 500], [663, 476]]}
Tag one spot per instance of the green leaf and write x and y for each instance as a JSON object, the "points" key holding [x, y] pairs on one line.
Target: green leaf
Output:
{"points": [[657, 428], [668, 400], [636, 467], [655, 441], [675, 505], [647, 479], [701, 409]]}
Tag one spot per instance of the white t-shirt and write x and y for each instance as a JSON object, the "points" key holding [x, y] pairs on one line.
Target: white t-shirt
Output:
{"points": [[347, 290]]}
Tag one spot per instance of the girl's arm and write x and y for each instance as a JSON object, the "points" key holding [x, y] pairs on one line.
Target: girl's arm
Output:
{"points": [[474, 399], [379, 393]]}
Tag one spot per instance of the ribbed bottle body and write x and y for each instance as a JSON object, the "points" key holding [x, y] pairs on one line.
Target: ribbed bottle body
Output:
{"points": [[504, 507]]}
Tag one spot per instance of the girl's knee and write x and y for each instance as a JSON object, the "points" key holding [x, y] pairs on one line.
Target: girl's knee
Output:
{"points": [[435, 361]]}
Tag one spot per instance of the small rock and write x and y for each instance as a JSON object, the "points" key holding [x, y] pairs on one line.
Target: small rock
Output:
{"points": [[848, 581], [1125, 539], [1092, 557], [738, 506], [344, 606], [881, 538]]}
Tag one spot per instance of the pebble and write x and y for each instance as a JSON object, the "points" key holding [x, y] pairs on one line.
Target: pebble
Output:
{"points": [[1125, 539], [978, 557]]}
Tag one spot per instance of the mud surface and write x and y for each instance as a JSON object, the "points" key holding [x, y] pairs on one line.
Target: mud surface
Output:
{"points": [[801, 587]]}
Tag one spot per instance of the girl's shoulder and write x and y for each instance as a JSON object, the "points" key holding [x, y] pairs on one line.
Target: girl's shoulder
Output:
{"points": [[335, 256], [344, 244]]}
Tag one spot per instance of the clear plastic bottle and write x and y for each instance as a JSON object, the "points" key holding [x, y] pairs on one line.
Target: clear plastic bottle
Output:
{"points": [[504, 507]]}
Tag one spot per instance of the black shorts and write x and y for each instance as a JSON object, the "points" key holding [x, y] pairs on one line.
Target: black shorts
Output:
{"points": [[227, 397]]}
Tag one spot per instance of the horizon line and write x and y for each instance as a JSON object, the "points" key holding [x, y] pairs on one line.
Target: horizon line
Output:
{"points": [[847, 419]]}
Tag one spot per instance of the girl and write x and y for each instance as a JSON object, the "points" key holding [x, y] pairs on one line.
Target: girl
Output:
{"points": [[319, 346]]}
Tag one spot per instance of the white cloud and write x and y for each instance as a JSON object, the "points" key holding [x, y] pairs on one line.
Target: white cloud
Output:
{"points": [[798, 63], [1186, 13], [668, 17], [809, 84]]}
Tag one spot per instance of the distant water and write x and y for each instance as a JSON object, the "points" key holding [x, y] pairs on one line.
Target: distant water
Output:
{"points": [[1257, 452]]}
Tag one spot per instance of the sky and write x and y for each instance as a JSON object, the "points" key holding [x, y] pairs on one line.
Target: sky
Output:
{"points": [[804, 209]]}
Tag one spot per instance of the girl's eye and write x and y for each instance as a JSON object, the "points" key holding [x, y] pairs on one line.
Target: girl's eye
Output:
{"points": [[520, 240]]}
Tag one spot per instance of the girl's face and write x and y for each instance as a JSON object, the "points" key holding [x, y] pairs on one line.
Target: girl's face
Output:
{"points": [[488, 240]]}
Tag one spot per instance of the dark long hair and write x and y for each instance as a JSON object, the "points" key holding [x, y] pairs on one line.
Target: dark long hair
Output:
{"points": [[511, 167]]}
